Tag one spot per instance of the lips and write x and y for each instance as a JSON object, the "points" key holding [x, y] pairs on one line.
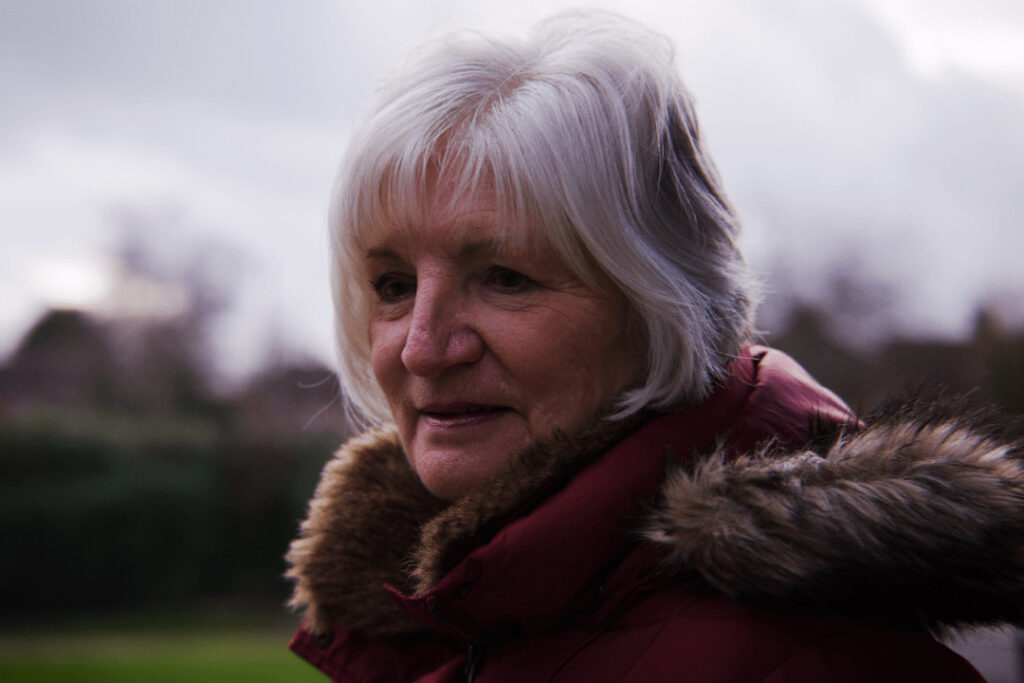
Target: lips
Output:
{"points": [[461, 414]]}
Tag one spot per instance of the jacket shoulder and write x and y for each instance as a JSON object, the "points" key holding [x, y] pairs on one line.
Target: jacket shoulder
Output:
{"points": [[785, 403]]}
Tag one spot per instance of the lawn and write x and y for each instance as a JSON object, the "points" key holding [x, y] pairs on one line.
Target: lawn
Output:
{"points": [[158, 654]]}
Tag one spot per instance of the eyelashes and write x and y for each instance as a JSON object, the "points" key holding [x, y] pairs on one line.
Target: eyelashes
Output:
{"points": [[392, 287], [508, 281], [396, 287]]}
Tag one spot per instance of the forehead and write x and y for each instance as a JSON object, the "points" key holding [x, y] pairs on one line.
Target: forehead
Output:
{"points": [[467, 224]]}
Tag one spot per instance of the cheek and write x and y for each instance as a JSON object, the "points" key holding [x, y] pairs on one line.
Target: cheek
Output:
{"points": [[385, 353], [573, 366]]}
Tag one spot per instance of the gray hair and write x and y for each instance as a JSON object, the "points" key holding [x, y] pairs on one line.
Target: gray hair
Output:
{"points": [[584, 130]]}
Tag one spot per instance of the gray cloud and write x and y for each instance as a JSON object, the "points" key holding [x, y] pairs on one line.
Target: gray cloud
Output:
{"points": [[237, 112]]}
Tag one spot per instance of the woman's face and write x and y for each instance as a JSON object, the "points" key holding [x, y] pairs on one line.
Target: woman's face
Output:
{"points": [[483, 344]]}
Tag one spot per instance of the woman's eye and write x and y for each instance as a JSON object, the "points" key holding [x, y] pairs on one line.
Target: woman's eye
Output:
{"points": [[391, 288], [510, 281]]}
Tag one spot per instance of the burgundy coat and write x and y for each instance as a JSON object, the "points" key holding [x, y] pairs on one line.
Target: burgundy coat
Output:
{"points": [[710, 544]]}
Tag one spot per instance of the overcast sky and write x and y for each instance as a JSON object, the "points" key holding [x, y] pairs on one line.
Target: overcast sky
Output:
{"points": [[886, 133]]}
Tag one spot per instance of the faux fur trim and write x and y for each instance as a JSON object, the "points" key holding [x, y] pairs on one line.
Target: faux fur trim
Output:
{"points": [[922, 513], [364, 517], [371, 522], [919, 514]]}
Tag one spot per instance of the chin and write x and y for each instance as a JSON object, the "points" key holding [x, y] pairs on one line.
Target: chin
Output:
{"points": [[451, 475], [447, 487]]}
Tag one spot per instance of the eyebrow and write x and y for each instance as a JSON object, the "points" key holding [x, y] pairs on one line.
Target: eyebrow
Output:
{"points": [[468, 249], [384, 254], [476, 246]]}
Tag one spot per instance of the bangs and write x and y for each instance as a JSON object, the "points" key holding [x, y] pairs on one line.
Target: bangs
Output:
{"points": [[393, 186], [398, 187]]}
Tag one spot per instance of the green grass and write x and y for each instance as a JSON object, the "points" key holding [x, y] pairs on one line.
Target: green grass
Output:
{"points": [[197, 655]]}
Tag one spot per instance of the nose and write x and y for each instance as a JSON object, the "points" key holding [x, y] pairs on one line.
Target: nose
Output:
{"points": [[441, 335]]}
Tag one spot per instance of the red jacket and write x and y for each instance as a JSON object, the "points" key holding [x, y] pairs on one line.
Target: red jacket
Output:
{"points": [[623, 555]]}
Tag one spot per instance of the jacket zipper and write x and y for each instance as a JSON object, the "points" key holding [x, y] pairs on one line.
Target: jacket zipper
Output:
{"points": [[473, 657], [475, 653]]}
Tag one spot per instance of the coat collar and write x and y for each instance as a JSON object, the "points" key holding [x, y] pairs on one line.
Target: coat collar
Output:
{"points": [[372, 524], [853, 530]]}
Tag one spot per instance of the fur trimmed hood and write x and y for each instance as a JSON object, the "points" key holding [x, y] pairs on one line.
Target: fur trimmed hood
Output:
{"points": [[919, 514]]}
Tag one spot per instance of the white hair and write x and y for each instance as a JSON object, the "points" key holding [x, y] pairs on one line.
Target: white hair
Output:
{"points": [[585, 132]]}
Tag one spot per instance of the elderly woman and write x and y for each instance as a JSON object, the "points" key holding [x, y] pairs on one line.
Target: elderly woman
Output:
{"points": [[580, 468]]}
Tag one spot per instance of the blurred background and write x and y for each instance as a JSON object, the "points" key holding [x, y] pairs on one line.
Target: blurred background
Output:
{"points": [[166, 398]]}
